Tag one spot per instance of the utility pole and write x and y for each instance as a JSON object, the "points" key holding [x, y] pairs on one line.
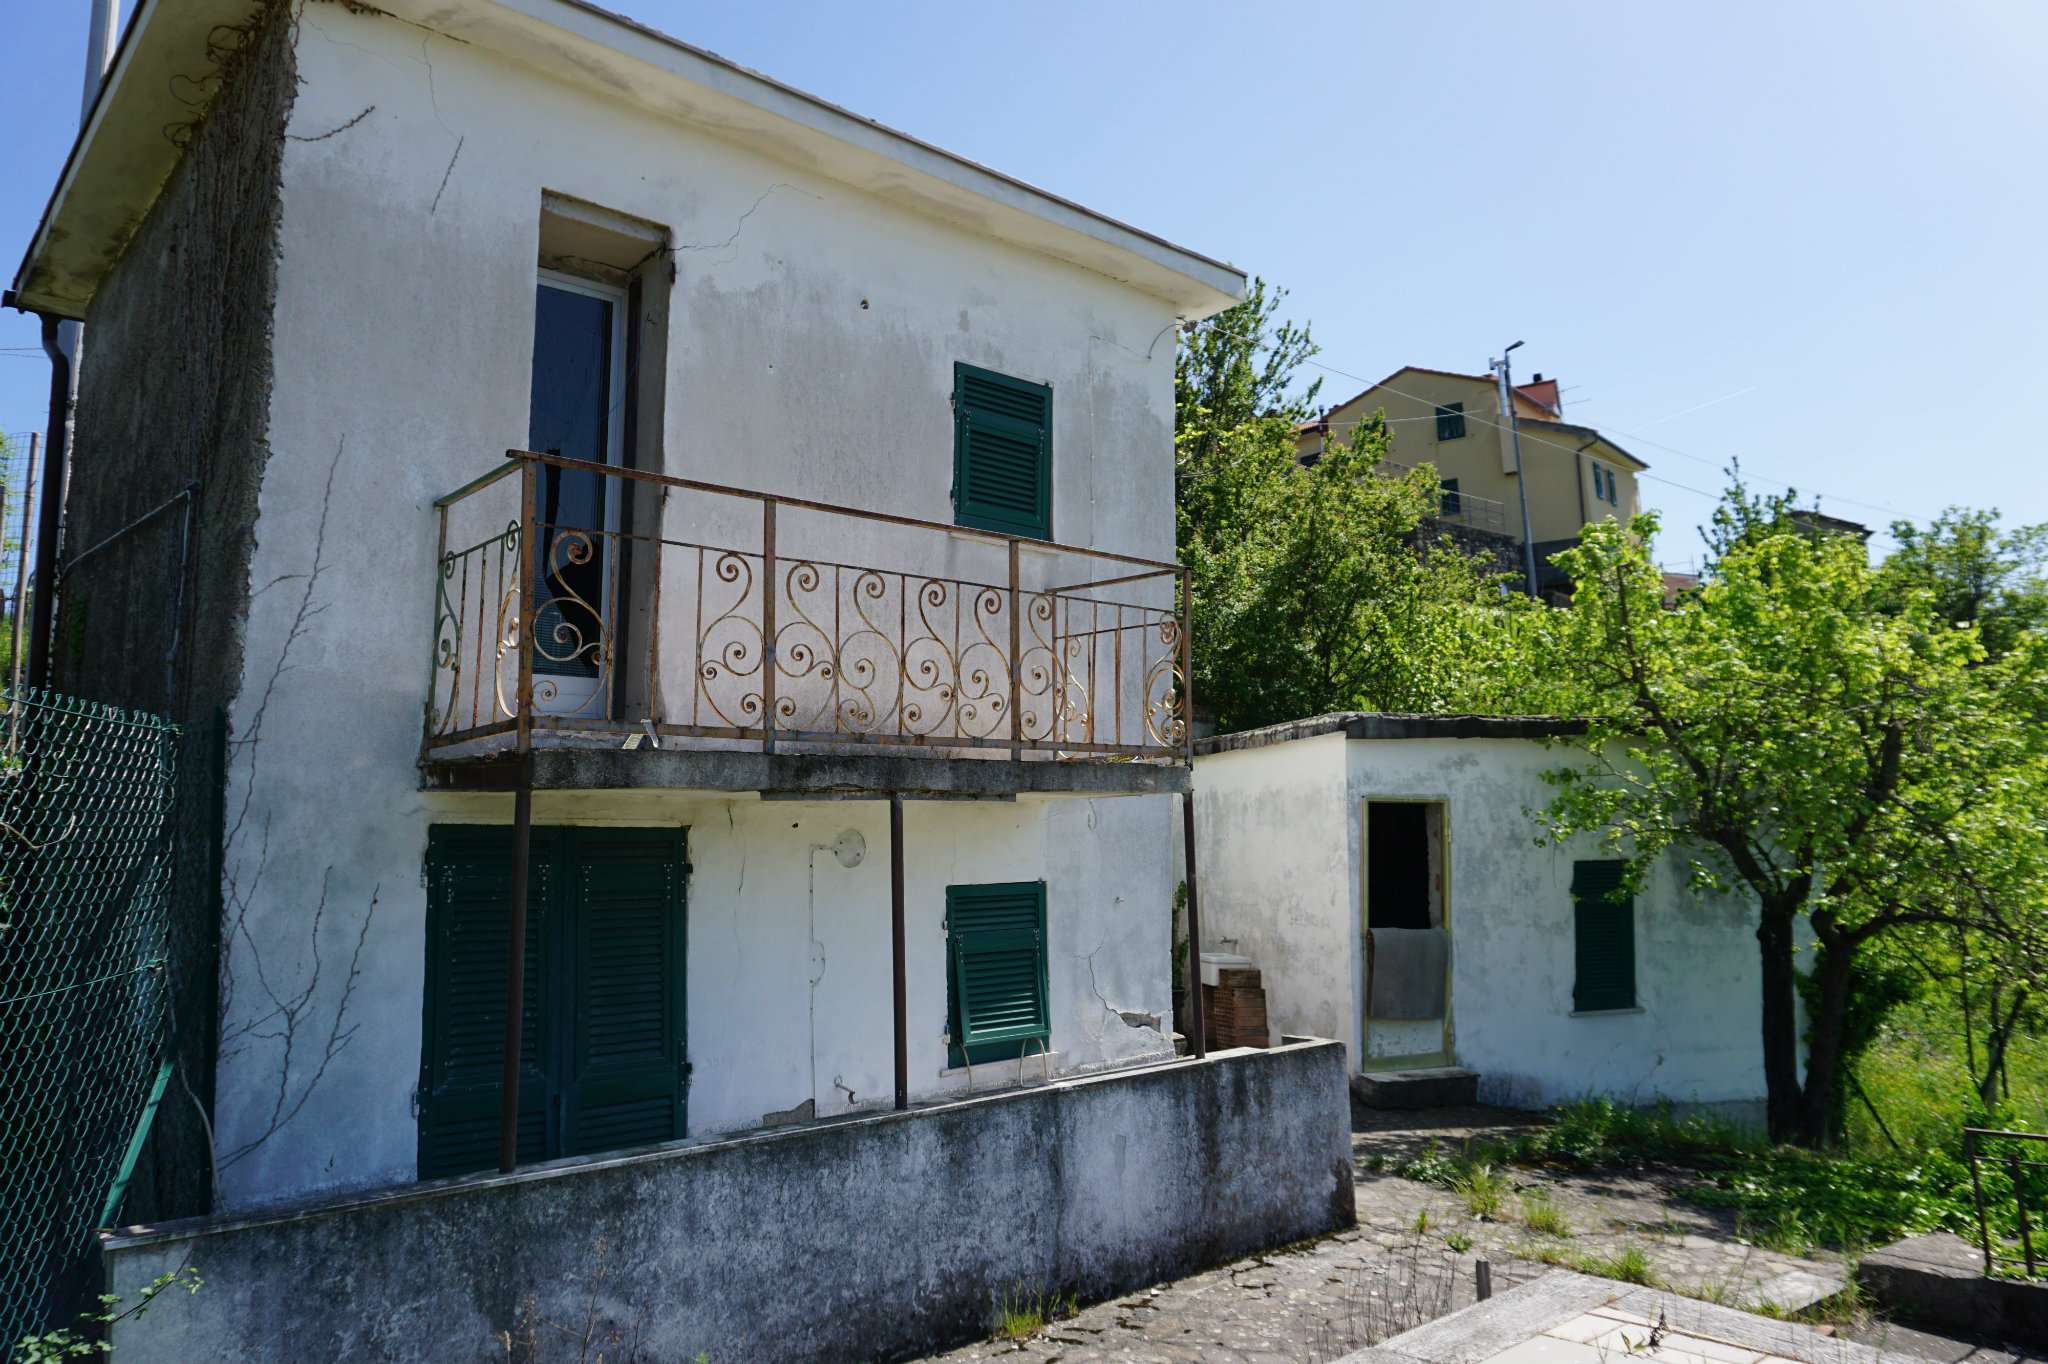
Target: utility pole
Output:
{"points": [[100, 38], [1507, 413], [28, 502], [99, 49]]}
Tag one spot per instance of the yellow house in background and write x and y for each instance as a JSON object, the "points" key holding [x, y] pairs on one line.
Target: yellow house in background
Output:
{"points": [[1450, 420]]}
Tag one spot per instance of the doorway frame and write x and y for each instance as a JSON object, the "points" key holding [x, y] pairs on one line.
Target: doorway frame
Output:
{"points": [[596, 701], [1446, 1054]]}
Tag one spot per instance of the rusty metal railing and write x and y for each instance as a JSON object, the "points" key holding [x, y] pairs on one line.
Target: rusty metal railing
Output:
{"points": [[579, 597], [2015, 1168], [1456, 507]]}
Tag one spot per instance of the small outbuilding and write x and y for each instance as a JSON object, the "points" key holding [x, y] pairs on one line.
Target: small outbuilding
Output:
{"points": [[1383, 874]]}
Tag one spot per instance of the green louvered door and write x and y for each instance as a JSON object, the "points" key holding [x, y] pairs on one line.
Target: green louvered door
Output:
{"points": [[603, 1039], [996, 973], [469, 913], [1605, 935], [1002, 453], [625, 1048]]}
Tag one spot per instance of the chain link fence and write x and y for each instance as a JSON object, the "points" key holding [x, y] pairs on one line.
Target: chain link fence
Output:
{"points": [[87, 795]]}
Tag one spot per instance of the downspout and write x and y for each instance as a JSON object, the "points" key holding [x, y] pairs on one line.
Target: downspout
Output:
{"points": [[49, 512], [60, 343], [1579, 475]]}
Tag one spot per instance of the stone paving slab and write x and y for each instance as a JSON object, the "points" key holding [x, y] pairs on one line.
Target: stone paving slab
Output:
{"points": [[1566, 1318]]}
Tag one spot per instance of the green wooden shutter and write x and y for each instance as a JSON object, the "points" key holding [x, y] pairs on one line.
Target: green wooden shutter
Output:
{"points": [[996, 970], [1605, 929], [469, 916], [1002, 453], [624, 1056]]}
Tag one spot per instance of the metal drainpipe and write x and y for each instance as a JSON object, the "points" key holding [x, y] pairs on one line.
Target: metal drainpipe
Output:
{"points": [[896, 950], [1198, 1026], [60, 343], [49, 512]]}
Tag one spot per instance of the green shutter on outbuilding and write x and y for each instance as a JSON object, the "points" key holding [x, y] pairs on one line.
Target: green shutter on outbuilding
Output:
{"points": [[603, 1037], [1002, 453], [996, 971], [1605, 933]]}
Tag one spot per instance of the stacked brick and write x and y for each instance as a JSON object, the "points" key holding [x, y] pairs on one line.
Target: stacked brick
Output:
{"points": [[1234, 1009]]}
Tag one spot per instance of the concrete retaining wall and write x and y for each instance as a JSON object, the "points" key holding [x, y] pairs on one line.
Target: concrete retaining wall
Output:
{"points": [[869, 1238]]}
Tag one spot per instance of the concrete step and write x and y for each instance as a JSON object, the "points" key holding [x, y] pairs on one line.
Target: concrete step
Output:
{"points": [[1426, 1087]]}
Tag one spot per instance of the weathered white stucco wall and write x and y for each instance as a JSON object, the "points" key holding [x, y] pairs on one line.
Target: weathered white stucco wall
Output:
{"points": [[1272, 867], [1695, 1037], [811, 349], [1280, 846]]}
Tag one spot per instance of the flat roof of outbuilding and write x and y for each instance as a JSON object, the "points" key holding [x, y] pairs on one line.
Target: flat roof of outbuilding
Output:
{"points": [[1366, 724]]}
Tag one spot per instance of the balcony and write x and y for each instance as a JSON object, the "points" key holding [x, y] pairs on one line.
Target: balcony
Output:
{"points": [[1455, 508], [588, 617]]}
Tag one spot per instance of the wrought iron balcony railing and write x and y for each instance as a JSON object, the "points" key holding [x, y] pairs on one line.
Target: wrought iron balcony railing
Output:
{"points": [[579, 598]]}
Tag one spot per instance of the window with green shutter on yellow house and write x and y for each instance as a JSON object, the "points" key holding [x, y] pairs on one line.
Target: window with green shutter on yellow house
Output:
{"points": [[1604, 933], [996, 972], [1002, 453]]}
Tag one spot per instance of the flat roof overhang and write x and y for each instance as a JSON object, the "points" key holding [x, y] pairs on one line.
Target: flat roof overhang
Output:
{"points": [[801, 775], [123, 157], [1380, 725]]}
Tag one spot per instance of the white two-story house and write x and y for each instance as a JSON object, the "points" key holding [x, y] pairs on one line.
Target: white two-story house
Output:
{"points": [[578, 445]]}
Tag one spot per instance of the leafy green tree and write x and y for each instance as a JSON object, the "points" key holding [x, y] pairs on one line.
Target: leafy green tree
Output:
{"points": [[1335, 598], [1237, 405], [1323, 587], [1974, 572], [1832, 742]]}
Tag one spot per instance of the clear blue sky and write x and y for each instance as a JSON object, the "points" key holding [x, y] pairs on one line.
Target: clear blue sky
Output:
{"points": [[1810, 235]]}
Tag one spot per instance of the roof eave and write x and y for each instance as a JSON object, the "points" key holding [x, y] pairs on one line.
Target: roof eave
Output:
{"points": [[124, 152], [121, 160]]}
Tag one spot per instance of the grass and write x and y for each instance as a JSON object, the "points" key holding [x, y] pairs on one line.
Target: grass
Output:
{"points": [[1023, 1315], [1422, 1222], [1459, 1242], [1785, 1199], [1484, 1189], [1630, 1264], [1917, 1074], [1544, 1217], [1888, 1181], [1900, 1171]]}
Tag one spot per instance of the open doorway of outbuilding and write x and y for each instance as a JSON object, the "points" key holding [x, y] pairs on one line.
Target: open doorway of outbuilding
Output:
{"points": [[1405, 912], [1404, 842]]}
